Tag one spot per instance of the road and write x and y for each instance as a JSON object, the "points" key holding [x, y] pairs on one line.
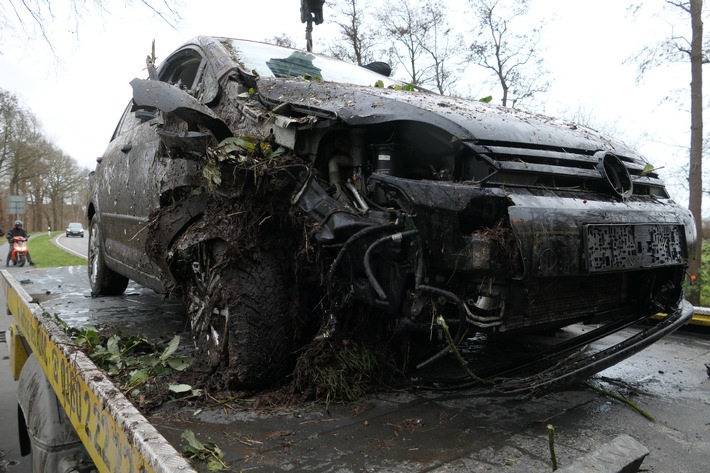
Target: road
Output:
{"points": [[74, 245]]}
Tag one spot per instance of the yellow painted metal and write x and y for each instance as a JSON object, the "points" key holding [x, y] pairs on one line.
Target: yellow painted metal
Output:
{"points": [[698, 319], [18, 354], [92, 402], [105, 442]]}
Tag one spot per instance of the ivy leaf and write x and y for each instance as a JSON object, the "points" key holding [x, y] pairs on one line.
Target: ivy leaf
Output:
{"points": [[486, 99], [379, 84]]}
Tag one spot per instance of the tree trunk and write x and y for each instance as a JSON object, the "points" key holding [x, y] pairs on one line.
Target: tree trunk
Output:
{"points": [[695, 174]]}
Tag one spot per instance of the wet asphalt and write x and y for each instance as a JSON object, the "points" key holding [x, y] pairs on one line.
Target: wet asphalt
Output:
{"points": [[415, 429]]}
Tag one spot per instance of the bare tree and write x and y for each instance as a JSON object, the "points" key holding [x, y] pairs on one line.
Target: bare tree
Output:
{"points": [[32, 166], [511, 56], [443, 46], [686, 48], [281, 40], [25, 151], [357, 40], [62, 180], [33, 19], [404, 24], [422, 41]]}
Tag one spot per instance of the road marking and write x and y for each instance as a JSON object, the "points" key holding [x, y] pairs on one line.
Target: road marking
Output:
{"points": [[56, 241]]}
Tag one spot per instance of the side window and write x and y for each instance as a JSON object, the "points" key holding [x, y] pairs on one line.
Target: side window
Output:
{"points": [[189, 71], [127, 122]]}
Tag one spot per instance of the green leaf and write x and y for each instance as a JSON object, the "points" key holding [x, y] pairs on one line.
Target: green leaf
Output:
{"points": [[189, 436], [410, 88], [213, 174], [180, 388], [113, 345], [180, 363], [379, 84], [647, 169], [149, 360], [191, 450], [275, 154], [170, 349], [486, 99], [138, 377], [214, 465]]}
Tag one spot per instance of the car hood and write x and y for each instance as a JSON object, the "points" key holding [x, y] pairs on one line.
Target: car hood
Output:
{"points": [[466, 120]]}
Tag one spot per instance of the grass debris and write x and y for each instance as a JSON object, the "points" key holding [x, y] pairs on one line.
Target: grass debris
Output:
{"points": [[333, 370]]}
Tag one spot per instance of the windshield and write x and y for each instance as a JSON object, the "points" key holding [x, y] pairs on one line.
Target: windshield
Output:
{"points": [[269, 60]]}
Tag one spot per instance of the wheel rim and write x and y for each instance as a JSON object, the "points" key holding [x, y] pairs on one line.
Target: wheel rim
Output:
{"points": [[93, 252]]}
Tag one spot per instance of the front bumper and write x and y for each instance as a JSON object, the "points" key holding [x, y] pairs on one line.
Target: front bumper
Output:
{"points": [[580, 369]]}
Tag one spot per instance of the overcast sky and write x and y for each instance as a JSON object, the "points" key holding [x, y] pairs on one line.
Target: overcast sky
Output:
{"points": [[585, 45]]}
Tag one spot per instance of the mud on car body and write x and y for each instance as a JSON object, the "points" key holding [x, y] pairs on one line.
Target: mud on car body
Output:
{"points": [[273, 188]]}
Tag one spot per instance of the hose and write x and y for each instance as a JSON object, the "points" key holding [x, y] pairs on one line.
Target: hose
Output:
{"points": [[349, 242], [366, 261]]}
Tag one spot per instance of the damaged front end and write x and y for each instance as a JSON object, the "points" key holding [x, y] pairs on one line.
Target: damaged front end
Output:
{"points": [[434, 213]]}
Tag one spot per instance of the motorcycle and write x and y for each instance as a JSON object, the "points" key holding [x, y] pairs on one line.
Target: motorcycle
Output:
{"points": [[19, 250]]}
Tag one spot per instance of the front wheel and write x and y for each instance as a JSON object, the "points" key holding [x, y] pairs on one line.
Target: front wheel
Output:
{"points": [[21, 260], [104, 281], [244, 317]]}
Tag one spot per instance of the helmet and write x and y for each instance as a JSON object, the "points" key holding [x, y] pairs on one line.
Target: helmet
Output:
{"points": [[18, 223]]}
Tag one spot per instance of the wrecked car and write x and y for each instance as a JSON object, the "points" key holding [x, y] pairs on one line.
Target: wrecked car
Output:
{"points": [[285, 194]]}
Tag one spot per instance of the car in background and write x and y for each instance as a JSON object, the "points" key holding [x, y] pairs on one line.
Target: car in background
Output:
{"points": [[75, 229], [279, 190]]}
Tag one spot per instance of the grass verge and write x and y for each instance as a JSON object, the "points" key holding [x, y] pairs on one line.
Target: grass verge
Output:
{"points": [[46, 255]]}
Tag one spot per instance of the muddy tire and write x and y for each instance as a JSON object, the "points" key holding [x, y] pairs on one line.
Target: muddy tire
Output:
{"points": [[104, 281], [245, 320], [21, 260]]}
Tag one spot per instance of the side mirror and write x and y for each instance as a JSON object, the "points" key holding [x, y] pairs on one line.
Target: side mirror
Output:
{"points": [[380, 67]]}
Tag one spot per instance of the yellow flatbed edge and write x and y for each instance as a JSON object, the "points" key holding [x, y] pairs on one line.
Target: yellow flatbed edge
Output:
{"points": [[116, 435], [700, 317]]}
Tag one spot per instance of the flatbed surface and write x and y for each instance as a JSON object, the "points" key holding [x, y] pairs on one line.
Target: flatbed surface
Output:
{"points": [[420, 429]]}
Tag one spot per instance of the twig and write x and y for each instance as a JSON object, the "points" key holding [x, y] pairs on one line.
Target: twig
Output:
{"points": [[620, 398], [551, 441], [452, 346]]}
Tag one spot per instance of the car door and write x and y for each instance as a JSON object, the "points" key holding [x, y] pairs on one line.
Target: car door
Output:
{"points": [[137, 172]]}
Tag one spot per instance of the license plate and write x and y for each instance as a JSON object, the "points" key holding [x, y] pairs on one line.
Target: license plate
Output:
{"points": [[621, 247]]}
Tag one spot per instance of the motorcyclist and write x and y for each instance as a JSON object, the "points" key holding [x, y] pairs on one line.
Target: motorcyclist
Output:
{"points": [[17, 230]]}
